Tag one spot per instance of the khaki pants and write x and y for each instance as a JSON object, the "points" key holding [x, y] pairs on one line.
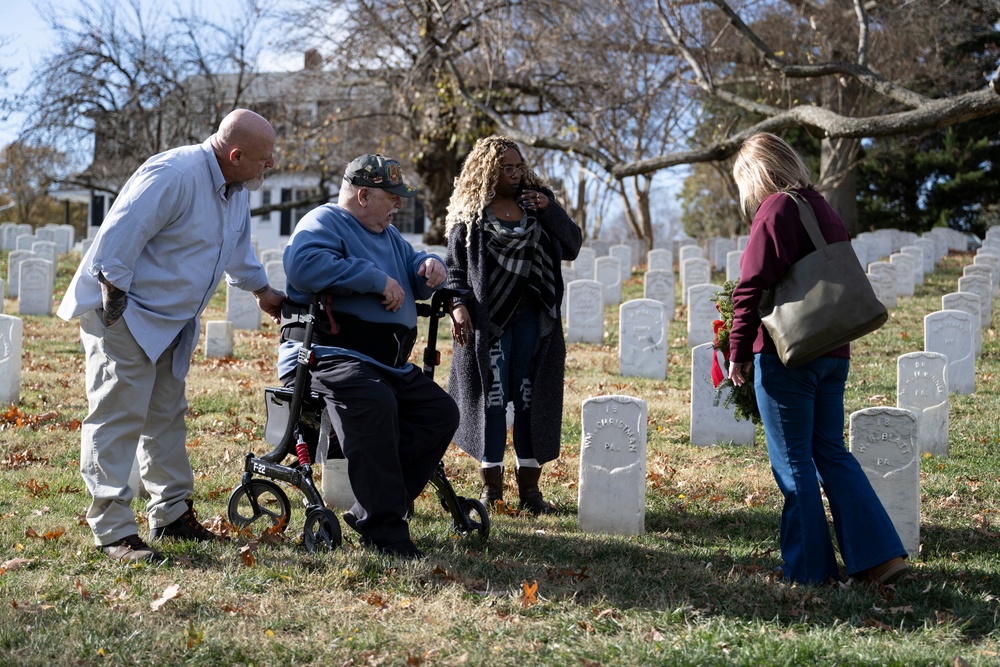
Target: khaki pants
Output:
{"points": [[137, 410]]}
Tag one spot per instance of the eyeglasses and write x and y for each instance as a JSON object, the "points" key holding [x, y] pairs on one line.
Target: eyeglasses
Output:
{"points": [[510, 170]]}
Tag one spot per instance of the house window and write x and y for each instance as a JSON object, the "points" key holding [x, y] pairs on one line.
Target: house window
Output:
{"points": [[265, 200]]}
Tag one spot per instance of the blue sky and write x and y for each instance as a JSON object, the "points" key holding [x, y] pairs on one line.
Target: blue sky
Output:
{"points": [[27, 37]]}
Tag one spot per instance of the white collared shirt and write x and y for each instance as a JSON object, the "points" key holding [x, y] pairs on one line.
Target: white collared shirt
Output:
{"points": [[167, 240]]}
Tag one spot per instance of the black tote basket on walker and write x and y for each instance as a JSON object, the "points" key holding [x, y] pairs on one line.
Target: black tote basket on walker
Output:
{"points": [[823, 301]]}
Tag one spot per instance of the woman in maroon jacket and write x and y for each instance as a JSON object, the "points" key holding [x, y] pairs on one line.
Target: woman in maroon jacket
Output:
{"points": [[802, 408]]}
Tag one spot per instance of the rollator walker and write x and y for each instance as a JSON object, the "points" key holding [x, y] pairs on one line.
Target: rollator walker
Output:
{"points": [[298, 426]]}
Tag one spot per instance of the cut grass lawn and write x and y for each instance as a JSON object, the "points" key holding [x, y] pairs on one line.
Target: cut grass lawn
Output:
{"points": [[695, 589]]}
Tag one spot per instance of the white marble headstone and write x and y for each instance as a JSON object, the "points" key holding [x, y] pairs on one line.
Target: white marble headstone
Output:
{"points": [[612, 495], [949, 332], [701, 314], [624, 254], [218, 339], [642, 339], [884, 442], [14, 260], [970, 303], [659, 258], [694, 271], [713, 424], [918, 262], [585, 312], [583, 265], [906, 272], [658, 284], [11, 331], [888, 280], [242, 309], [981, 285], [733, 258], [608, 272], [922, 388], [35, 287]]}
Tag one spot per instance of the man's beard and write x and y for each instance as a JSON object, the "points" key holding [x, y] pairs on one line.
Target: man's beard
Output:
{"points": [[254, 184]]}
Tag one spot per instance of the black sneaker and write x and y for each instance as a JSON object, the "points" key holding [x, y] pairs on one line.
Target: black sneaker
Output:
{"points": [[131, 549], [186, 527]]}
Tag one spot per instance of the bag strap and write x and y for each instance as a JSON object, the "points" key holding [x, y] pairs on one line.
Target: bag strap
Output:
{"points": [[808, 218]]}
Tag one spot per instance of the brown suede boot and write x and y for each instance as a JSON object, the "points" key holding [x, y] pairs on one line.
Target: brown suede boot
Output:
{"points": [[492, 486], [531, 498]]}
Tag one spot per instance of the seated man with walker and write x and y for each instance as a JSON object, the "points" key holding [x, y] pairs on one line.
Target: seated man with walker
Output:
{"points": [[392, 421]]}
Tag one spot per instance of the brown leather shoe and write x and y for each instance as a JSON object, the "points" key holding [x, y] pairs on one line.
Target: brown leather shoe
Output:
{"points": [[186, 527], [131, 549], [885, 573]]}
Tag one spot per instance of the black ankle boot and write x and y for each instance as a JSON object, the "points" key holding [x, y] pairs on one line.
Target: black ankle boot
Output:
{"points": [[531, 498], [492, 486]]}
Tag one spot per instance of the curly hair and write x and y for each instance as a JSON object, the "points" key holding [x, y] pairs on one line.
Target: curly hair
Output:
{"points": [[475, 186]]}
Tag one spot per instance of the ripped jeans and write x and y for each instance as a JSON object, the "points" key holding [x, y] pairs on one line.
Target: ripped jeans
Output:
{"points": [[510, 380]]}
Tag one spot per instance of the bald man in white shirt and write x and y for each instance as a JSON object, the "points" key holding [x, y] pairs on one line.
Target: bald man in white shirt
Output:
{"points": [[178, 225]]}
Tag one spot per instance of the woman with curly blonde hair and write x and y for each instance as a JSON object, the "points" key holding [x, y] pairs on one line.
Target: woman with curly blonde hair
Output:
{"points": [[507, 238]]}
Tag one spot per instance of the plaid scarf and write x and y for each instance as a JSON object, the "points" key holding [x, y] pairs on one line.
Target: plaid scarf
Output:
{"points": [[522, 260]]}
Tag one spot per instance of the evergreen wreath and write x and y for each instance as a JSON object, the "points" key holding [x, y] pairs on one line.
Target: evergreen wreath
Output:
{"points": [[744, 397]]}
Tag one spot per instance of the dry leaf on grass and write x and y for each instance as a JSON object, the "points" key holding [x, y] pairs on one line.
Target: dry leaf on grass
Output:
{"points": [[247, 554], [529, 598], [169, 593]]}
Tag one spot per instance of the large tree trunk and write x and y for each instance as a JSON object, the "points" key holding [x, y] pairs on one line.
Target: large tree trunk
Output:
{"points": [[837, 177]]}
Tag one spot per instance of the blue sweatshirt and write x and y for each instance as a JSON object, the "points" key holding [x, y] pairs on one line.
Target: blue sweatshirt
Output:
{"points": [[331, 251]]}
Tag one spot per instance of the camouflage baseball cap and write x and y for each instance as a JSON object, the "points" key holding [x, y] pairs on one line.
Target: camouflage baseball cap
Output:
{"points": [[378, 171]]}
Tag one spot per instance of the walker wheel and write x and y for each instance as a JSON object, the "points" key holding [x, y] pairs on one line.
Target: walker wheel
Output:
{"points": [[259, 502], [475, 518], [322, 530]]}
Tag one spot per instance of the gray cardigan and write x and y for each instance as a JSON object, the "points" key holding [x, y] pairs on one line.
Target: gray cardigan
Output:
{"points": [[470, 367]]}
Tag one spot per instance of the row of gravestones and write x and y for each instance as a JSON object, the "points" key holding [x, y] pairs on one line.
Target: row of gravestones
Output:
{"points": [[887, 441]]}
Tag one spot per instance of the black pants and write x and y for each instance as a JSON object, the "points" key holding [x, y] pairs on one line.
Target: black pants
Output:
{"points": [[393, 431]]}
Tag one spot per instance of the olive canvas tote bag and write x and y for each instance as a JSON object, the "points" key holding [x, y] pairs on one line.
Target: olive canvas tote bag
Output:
{"points": [[823, 301]]}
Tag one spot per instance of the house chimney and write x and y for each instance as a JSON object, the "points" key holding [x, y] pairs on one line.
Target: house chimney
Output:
{"points": [[313, 60]]}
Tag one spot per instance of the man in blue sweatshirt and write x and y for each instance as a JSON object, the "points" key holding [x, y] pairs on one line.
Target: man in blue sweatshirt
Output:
{"points": [[393, 422]]}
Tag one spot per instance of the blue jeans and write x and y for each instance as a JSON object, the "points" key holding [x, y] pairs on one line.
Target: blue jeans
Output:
{"points": [[510, 364], [803, 413]]}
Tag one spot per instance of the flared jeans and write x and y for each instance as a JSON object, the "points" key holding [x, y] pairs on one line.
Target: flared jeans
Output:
{"points": [[803, 414]]}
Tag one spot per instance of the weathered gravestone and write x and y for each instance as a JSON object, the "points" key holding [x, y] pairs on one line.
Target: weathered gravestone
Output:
{"points": [[25, 241], [50, 251], [720, 251], [694, 271], [971, 304], [583, 265], [713, 424], [276, 275], [884, 286], [608, 272], [642, 339], [701, 314], [888, 281], [600, 247], [733, 258], [884, 442], [949, 332], [14, 260], [269, 255], [241, 308], [8, 235], [690, 251], [612, 495], [922, 388], [992, 261], [658, 284], [929, 248], [906, 272], [981, 285], [862, 250], [35, 291], [585, 312], [624, 254], [218, 339], [659, 259], [917, 254], [11, 330]]}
